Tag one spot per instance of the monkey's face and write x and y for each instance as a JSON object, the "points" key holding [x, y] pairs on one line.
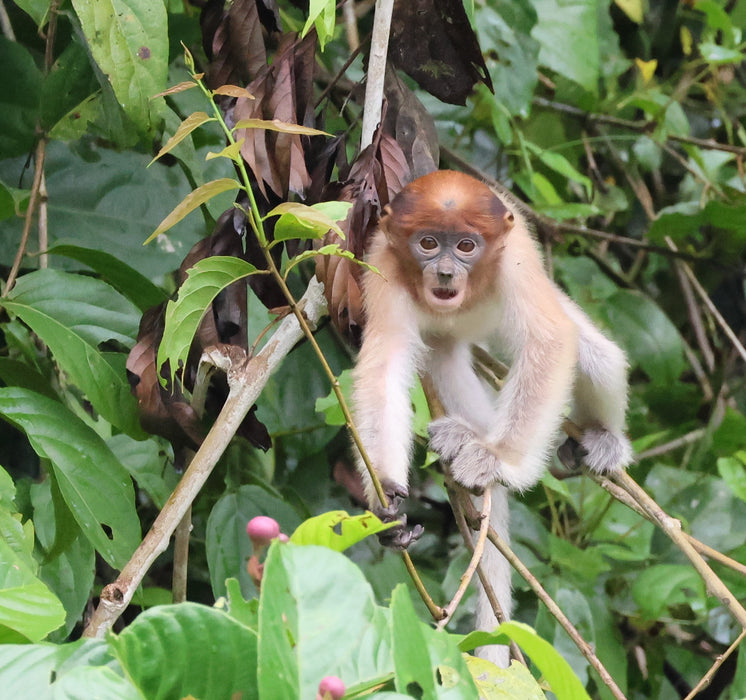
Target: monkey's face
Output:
{"points": [[446, 259]]}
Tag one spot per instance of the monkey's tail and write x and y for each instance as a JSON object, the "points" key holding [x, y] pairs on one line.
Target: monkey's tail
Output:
{"points": [[498, 571]]}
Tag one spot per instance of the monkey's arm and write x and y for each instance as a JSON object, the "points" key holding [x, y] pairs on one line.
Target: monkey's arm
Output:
{"points": [[382, 379]]}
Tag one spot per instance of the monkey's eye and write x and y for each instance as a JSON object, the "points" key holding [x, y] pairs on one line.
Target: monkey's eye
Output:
{"points": [[428, 243], [466, 245]]}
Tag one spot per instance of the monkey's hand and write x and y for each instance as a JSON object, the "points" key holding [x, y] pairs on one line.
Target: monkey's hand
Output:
{"points": [[473, 464], [602, 450], [397, 537]]}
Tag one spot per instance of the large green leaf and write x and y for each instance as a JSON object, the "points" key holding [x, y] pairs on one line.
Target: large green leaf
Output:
{"points": [[649, 337], [568, 33], [33, 670], [125, 279], [19, 99], [72, 314], [175, 651], [27, 606], [107, 200], [227, 544], [205, 281], [317, 617], [95, 486], [338, 530], [129, 41], [511, 54]]}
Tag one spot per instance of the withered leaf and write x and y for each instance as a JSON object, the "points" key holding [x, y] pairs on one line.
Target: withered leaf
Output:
{"points": [[433, 43]]}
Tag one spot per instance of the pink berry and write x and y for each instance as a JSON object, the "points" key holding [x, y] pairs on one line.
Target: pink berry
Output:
{"points": [[332, 686], [262, 530], [283, 537]]}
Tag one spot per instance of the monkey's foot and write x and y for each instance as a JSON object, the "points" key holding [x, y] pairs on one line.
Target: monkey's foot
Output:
{"points": [[397, 537], [603, 451], [472, 463], [607, 452]]}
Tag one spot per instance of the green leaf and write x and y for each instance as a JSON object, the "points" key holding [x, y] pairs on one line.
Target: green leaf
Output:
{"points": [[277, 125], [228, 546], [27, 606], [204, 282], [649, 337], [511, 53], [100, 682], [322, 529], [125, 279], [304, 222], [658, 587], [556, 671], [187, 126], [568, 33], [19, 99], [413, 668], [329, 404], [332, 249], [560, 164], [34, 670], [317, 617], [733, 471], [216, 655], [107, 390], [193, 200], [95, 486], [498, 683], [321, 13], [129, 41]]}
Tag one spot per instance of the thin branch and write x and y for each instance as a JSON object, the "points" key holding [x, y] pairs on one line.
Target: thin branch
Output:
{"points": [[5, 25], [181, 558], [477, 551], [707, 678], [642, 127], [379, 46], [710, 306], [666, 447], [585, 649], [246, 379]]}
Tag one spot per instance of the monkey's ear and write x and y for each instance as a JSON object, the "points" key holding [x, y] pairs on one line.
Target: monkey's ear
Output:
{"points": [[508, 221], [384, 219]]}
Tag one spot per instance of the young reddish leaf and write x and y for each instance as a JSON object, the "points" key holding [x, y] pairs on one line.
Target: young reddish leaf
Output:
{"points": [[180, 87], [194, 199], [192, 122], [233, 91], [277, 125], [304, 222]]}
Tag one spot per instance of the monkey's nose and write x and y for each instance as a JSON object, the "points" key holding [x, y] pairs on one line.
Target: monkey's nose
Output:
{"points": [[445, 278]]}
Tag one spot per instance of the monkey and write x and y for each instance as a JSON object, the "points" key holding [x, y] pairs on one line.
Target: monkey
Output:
{"points": [[455, 266]]}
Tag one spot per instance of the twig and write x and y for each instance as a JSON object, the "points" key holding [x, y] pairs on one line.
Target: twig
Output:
{"points": [[181, 558], [707, 678], [246, 381], [682, 441], [350, 20], [642, 127], [477, 551], [5, 24], [555, 610], [710, 306], [41, 150], [379, 45]]}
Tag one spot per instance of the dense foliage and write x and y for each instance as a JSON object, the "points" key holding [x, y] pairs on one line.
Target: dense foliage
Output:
{"points": [[621, 126]]}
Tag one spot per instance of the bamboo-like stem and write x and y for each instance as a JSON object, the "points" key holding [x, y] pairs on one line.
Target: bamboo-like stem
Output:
{"points": [[379, 46]]}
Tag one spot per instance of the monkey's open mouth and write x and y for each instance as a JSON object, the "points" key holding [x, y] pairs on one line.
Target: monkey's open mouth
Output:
{"points": [[444, 294]]}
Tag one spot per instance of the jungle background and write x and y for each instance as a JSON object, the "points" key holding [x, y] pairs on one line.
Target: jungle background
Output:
{"points": [[619, 129]]}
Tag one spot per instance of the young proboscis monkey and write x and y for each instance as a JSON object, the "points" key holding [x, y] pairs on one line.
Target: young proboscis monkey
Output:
{"points": [[459, 268]]}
